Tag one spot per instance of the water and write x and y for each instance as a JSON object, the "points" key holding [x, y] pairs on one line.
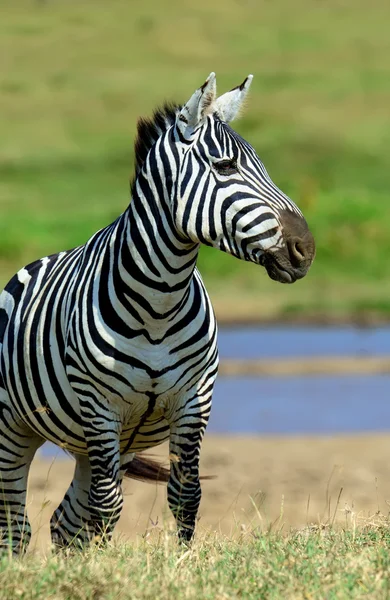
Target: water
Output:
{"points": [[302, 405], [299, 405], [289, 342]]}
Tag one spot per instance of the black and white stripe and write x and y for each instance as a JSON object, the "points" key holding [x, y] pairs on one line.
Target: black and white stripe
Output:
{"points": [[110, 348]]}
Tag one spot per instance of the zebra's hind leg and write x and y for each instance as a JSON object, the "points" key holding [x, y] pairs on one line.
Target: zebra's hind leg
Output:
{"points": [[18, 445], [69, 524]]}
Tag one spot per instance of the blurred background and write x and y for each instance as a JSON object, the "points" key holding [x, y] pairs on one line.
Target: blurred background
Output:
{"points": [[303, 366]]}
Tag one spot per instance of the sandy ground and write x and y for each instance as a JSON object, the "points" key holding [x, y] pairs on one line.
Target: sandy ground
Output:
{"points": [[287, 482]]}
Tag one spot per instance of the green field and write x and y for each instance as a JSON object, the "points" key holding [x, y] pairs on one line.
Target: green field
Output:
{"points": [[313, 563], [75, 75]]}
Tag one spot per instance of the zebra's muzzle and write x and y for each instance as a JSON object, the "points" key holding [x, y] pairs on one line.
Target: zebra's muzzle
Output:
{"points": [[293, 260]]}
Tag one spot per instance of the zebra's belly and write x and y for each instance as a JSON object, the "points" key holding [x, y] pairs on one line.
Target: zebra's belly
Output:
{"points": [[53, 412], [134, 438], [48, 403], [139, 431], [152, 432]]}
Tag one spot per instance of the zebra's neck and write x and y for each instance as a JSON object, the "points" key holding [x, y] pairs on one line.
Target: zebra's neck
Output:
{"points": [[152, 265]]}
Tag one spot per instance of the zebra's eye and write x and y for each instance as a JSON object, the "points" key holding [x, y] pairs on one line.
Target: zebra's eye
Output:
{"points": [[226, 167]]}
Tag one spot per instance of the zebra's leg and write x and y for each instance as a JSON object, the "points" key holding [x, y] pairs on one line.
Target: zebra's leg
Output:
{"points": [[18, 445], [184, 491], [69, 523], [105, 498]]}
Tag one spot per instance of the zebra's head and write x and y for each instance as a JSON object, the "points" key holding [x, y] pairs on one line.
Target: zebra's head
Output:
{"points": [[220, 192]]}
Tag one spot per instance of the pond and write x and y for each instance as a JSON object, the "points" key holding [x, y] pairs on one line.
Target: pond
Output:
{"points": [[293, 341], [301, 405]]}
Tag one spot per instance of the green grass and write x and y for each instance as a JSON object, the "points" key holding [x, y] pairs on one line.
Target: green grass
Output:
{"points": [[75, 76], [312, 563]]}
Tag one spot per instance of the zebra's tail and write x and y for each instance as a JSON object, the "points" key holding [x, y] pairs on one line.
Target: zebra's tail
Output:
{"points": [[145, 468]]}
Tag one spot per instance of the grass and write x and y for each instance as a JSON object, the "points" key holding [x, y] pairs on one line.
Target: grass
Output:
{"points": [[344, 555], [315, 562], [75, 76]]}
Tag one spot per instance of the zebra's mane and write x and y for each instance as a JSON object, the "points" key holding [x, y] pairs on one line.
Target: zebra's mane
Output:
{"points": [[149, 130]]}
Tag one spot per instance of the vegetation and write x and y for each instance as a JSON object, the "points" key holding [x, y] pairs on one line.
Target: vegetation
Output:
{"points": [[75, 76], [311, 563]]}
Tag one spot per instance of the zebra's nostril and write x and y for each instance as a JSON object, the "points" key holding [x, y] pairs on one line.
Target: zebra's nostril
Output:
{"points": [[299, 250]]}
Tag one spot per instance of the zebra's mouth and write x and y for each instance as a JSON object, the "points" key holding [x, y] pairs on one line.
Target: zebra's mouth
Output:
{"points": [[278, 274], [276, 271]]}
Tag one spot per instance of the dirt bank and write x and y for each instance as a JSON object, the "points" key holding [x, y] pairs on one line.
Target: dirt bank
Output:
{"points": [[296, 480]]}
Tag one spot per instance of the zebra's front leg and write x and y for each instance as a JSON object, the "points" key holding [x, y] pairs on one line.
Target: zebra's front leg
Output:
{"points": [[105, 498], [184, 491]]}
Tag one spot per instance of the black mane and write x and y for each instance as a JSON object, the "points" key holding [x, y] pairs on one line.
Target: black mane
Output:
{"points": [[149, 130]]}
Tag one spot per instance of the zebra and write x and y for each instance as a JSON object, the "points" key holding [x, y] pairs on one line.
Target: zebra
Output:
{"points": [[110, 348]]}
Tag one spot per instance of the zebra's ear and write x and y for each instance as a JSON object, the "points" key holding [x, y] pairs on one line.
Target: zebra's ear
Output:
{"points": [[229, 105], [198, 106]]}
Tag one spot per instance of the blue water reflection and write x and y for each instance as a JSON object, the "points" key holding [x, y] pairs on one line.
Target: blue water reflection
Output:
{"points": [[284, 342], [301, 405]]}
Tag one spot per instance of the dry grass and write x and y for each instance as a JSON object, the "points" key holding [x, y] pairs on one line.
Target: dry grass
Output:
{"points": [[286, 518], [316, 562]]}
